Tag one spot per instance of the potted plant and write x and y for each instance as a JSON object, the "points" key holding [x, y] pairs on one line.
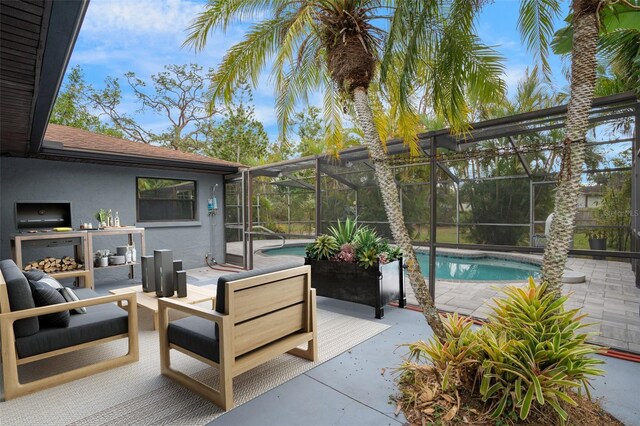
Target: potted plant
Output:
{"points": [[101, 215], [597, 239], [357, 265], [102, 258]]}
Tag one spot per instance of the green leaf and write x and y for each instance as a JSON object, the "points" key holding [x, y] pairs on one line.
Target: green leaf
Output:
{"points": [[526, 403]]}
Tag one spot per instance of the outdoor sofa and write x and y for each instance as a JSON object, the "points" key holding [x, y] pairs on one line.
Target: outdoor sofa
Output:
{"points": [[27, 338]]}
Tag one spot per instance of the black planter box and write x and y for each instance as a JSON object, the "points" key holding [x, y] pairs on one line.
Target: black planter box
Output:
{"points": [[375, 286]]}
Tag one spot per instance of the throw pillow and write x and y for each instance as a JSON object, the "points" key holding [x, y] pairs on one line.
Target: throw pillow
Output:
{"points": [[41, 277], [70, 296], [34, 274], [45, 295]]}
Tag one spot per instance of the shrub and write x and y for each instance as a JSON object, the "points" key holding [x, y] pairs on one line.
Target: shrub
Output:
{"points": [[530, 352]]}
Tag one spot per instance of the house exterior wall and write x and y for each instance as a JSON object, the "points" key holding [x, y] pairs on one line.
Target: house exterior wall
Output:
{"points": [[90, 187]]}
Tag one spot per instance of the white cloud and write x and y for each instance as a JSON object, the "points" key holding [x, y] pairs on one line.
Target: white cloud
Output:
{"points": [[266, 113], [139, 17], [512, 75]]}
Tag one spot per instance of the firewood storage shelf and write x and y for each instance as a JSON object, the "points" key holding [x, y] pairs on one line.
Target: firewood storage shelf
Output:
{"points": [[82, 242], [78, 239]]}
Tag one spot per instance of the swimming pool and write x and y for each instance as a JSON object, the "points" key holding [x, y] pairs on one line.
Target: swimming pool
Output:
{"points": [[454, 267]]}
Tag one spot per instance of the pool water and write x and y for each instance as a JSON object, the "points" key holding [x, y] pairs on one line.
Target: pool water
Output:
{"points": [[454, 267]]}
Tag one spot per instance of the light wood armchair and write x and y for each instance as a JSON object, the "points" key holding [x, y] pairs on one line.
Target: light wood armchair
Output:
{"points": [[265, 315], [11, 360]]}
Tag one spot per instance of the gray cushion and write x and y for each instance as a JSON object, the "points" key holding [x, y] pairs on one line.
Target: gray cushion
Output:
{"points": [[34, 274], [45, 295], [19, 298], [197, 335], [101, 321]]}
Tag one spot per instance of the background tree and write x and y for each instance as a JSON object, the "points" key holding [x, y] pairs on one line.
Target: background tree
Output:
{"points": [[72, 107], [335, 46], [178, 95], [238, 136]]}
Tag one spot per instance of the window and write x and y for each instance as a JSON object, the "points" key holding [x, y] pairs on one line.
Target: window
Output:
{"points": [[166, 200]]}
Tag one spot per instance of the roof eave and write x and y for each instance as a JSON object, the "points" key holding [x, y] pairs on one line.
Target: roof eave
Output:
{"points": [[133, 161], [62, 32]]}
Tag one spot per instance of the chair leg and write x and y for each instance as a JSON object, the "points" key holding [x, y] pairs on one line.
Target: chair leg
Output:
{"points": [[9, 361]]}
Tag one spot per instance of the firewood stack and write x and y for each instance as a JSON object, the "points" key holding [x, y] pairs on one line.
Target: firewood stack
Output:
{"points": [[54, 264]]}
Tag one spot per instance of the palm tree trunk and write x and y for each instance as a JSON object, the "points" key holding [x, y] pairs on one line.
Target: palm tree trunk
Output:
{"points": [[391, 201], [583, 81]]}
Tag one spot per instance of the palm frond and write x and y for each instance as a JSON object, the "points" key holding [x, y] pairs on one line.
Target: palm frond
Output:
{"points": [[332, 110], [245, 60], [535, 24], [220, 13]]}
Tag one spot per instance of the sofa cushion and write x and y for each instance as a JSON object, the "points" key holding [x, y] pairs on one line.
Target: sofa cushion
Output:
{"points": [[197, 335], [45, 295], [101, 321], [20, 298], [70, 296]]}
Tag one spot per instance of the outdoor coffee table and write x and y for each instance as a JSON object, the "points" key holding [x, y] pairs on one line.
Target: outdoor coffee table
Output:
{"points": [[149, 300]]}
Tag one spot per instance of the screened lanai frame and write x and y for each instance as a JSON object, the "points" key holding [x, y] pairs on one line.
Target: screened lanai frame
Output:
{"points": [[308, 174]]}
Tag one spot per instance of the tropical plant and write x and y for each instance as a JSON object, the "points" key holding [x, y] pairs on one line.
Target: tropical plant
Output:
{"points": [[344, 232], [533, 349], [353, 243], [366, 238], [337, 46], [324, 247], [530, 352]]}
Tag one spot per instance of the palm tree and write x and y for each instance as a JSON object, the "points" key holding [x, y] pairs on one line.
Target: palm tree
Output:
{"points": [[536, 25], [335, 46]]}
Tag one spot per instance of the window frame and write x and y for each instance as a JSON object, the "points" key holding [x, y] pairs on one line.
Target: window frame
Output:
{"points": [[177, 222]]}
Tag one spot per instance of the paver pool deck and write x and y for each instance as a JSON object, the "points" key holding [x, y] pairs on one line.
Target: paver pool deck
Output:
{"points": [[608, 296]]}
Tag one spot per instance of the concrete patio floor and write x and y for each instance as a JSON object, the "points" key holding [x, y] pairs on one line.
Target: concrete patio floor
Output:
{"points": [[608, 296], [355, 387]]}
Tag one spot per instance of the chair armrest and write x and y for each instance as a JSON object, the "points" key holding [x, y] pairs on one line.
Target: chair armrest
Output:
{"points": [[208, 314], [130, 297]]}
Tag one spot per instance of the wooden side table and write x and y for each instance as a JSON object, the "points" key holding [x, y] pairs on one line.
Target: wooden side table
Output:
{"points": [[149, 300]]}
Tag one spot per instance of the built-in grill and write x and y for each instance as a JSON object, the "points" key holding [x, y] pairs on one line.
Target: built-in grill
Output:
{"points": [[42, 215]]}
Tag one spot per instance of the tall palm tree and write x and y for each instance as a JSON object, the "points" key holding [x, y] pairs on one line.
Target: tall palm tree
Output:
{"points": [[536, 25], [335, 46]]}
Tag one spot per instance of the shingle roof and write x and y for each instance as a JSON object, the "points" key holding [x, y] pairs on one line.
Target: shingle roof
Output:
{"points": [[82, 140]]}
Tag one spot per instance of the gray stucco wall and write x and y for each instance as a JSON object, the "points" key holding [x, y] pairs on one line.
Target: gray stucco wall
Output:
{"points": [[90, 187]]}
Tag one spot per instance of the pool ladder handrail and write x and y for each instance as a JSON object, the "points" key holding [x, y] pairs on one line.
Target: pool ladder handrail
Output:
{"points": [[267, 231]]}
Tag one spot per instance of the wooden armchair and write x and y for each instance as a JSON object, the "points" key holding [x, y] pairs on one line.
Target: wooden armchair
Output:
{"points": [[102, 323], [258, 317]]}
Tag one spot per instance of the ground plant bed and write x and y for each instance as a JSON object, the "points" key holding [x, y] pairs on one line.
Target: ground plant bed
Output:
{"points": [[374, 286]]}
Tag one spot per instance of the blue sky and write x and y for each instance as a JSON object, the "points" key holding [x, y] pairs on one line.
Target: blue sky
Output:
{"points": [[144, 35]]}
